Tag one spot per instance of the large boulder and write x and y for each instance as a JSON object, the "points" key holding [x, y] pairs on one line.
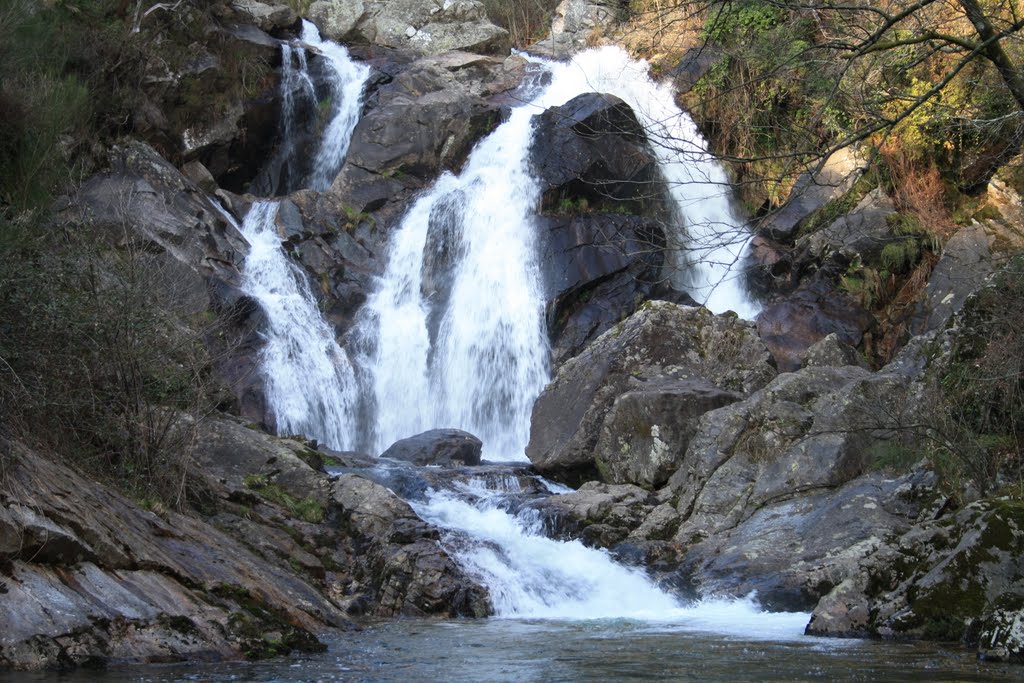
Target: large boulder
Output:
{"points": [[427, 26], [664, 349], [591, 155], [424, 118], [575, 23], [772, 486], [601, 236], [445, 447], [268, 16]]}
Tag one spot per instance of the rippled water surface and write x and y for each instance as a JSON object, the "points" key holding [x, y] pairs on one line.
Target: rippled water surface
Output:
{"points": [[510, 650]]}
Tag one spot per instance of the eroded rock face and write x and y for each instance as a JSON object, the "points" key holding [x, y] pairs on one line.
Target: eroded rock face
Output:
{"points": [[427, 26], [400, 560], [659, 346], [122, 583]]}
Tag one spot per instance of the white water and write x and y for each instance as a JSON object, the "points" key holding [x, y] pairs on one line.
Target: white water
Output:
{"points": [[309, 381], [533, 577], [487, 359], [348, 79], [466, 346]]}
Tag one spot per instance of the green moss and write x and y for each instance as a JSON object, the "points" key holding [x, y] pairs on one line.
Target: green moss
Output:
{"points": [[901, 256], [307, 509]]}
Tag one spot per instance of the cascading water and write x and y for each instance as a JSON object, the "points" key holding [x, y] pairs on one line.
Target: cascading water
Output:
{"points": [[296, 89], [530, 576], [309, 381], [709, 238], [454, 336], [347, 80], [455, 331]]}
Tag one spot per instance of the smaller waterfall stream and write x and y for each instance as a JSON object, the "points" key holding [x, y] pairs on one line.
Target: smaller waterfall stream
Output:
{"points": [[310, 384], [305, 107], [347, 79]]}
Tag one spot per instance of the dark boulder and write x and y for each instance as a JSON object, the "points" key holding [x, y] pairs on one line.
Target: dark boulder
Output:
{"points": [[591, 155], [598, 268], [445, 447]]}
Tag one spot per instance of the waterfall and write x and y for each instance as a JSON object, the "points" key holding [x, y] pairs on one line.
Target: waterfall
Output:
{"points": [[455, 332], [454, 335], [309, 382], [530, 576], [347, 80], [297, 93]]}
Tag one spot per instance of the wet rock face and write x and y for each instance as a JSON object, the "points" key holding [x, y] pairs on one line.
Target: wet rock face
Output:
{"points": [[598, 269], [399, 559], [659, 349]]}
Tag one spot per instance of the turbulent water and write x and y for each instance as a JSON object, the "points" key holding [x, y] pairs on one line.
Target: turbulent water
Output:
{"points": [[310, 384], [530, 576], [455, 332], [455, 336]]}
